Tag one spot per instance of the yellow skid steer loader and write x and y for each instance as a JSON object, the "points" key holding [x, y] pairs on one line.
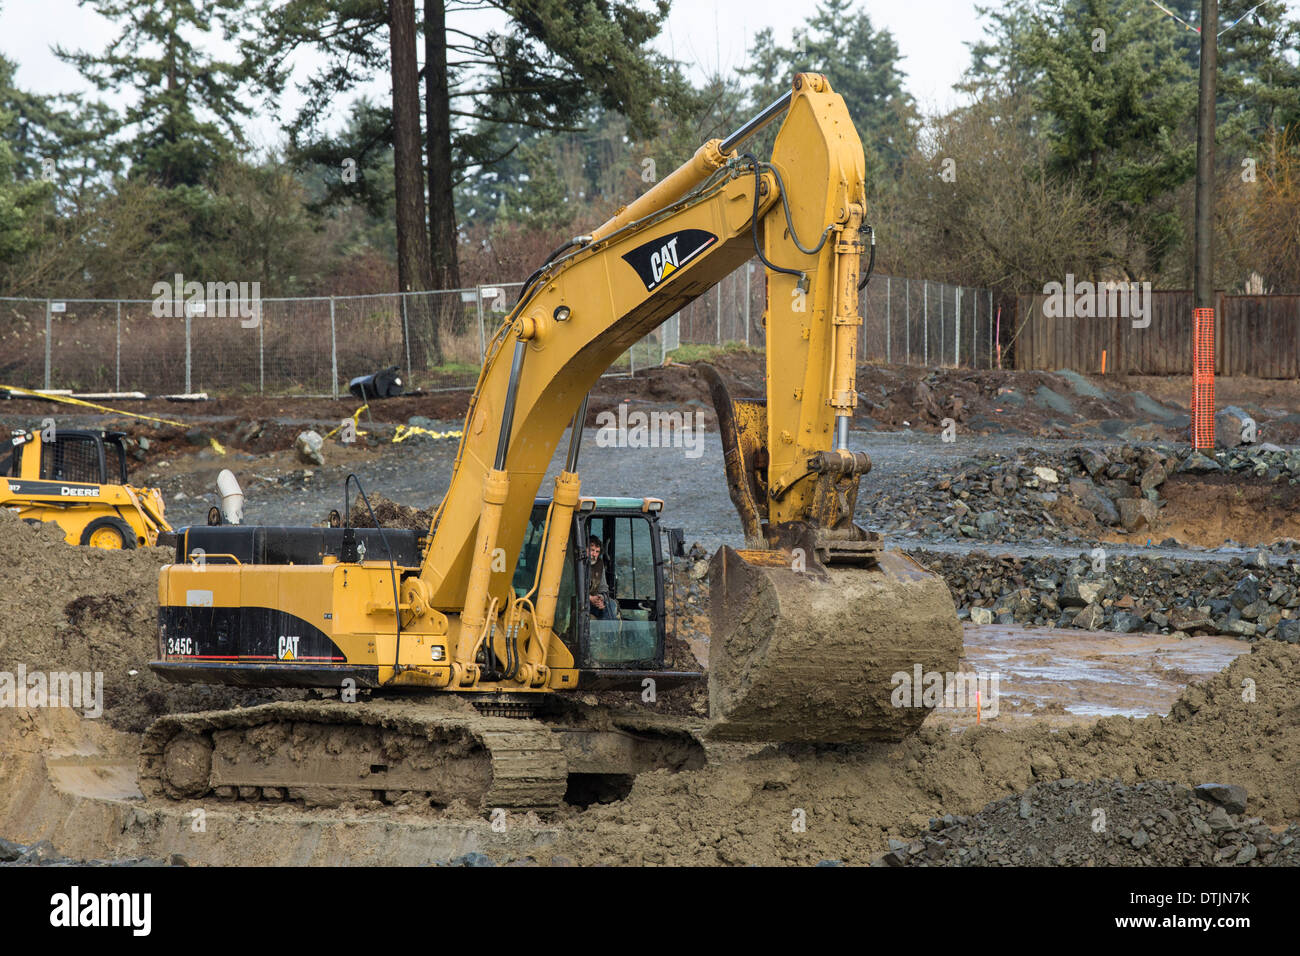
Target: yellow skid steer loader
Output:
{"points": [[77, 479]]}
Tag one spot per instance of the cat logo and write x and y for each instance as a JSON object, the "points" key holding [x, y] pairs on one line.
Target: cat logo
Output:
{"points": [[660, 259], [288, 650], [664, 262]]}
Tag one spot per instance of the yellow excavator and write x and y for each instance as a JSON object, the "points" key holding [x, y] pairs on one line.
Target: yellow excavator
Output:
{"points": [[455, 653]]}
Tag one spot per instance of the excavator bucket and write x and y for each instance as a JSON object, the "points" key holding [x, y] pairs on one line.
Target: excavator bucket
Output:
{"points": [[816, 634], [824, 655]]}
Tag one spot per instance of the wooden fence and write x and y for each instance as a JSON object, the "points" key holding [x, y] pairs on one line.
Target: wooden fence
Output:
{"points": [[1253, 335]]}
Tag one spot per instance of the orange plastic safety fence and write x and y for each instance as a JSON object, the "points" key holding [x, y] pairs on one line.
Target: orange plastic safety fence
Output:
{"points": [[1203, 379]]}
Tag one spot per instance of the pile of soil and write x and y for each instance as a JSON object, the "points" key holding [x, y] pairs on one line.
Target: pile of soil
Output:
{"points": [[1067, 823], [1043, 404], [797, 805], [71, 608], [390, 514], [1213, 509]]}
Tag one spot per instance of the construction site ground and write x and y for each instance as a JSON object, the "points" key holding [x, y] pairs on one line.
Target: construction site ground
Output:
{"points": [[1142, 649]]}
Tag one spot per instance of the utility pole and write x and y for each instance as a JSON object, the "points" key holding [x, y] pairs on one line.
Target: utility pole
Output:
{"points": [[1203, 263]]}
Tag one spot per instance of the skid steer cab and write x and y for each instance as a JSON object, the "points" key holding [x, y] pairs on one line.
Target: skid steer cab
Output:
{"points": [[77, 480]]}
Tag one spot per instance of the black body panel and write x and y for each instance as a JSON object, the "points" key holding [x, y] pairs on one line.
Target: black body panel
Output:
{"points": [[276, 545], [264, 637]]}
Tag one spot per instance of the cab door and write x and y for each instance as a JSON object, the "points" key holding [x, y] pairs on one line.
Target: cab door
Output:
{"points": [[634, 638]]}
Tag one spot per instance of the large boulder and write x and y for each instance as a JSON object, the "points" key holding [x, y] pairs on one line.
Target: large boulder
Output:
{"points": [[1136, 514], [1191, 619], [1091, 497], [1233, 426], [1080, 592], [310, 447], [1093, 461], [1230, 796]]}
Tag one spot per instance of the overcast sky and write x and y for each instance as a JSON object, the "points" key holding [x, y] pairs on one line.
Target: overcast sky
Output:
{"points": [[705, 34]]}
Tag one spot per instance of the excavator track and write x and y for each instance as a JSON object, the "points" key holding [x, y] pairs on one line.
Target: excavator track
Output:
{"points": [[325, 753]]}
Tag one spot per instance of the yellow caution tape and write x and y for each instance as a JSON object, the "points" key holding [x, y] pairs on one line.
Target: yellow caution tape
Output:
{"points": [[356, 421], [402, 433], [406, 431], [69, 400]]}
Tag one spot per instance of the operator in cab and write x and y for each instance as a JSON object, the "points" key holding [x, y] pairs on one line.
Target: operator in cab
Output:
{"points": [[601, 604]]}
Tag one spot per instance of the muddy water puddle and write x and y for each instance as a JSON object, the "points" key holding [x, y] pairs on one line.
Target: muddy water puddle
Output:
{"points": [[1065, 677]]}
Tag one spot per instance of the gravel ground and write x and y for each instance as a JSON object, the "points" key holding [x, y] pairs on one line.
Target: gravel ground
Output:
{"points": [[694, 489]]}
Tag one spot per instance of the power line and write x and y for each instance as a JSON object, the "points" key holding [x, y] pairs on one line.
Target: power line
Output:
{"points": [[1240, 18], [1171, 13], [1196, 29]]}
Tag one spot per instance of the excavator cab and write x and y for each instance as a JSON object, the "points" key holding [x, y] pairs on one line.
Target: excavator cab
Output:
{"points": [[632, 637]]}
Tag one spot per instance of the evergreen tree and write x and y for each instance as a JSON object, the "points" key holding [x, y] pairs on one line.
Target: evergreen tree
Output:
{"points": [[190, 106], [1109, 87], [549, 64], [1259, 78], [863, 66]]}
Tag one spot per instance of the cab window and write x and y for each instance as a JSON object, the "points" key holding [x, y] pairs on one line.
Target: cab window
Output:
{"points": [[71, 458], [631, 636]]}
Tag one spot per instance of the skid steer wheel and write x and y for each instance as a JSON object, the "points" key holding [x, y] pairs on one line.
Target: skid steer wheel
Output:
{"points": [[110, 533]]}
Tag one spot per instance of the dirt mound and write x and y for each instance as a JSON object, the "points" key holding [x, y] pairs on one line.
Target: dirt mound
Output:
{"points": [[73, 609], [390, 514], [807, 805], [1210, 510], [1066, 823], [1048, 404]]}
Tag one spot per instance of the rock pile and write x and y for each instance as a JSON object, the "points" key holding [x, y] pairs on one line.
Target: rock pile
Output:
{"points": [[1260, 461], [1125, 594], [1068, 823], [1036, 496], [44, 854]]}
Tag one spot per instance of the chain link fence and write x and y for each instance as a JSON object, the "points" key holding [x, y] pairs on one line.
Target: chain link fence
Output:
{"points": [[905, 321], [922, 322], [313, 346]]}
